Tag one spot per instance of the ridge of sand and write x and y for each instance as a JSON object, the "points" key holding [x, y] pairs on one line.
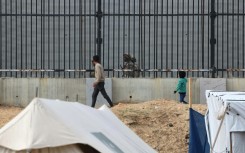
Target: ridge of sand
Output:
{"points": [[163, 124]]}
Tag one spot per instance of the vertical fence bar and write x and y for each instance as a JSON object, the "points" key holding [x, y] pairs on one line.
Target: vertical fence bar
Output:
{"points": [[149, 49], [26, 57], [167, 39], [84, 31], [243, 6], [222, 39], [193, 38], [49, 38], [119, 23], [217, 43], [156, 42], [59, 54], [75, 34], [177, 64], [108, 50], [1, 50], [113, 37], [134, 30], [162, 37], [227, 34], [11, 38], [41, 73], [103, 35], [54, 40], [203, 30], [183, 36], [95, 27], [124, 26], [188, 35], [143, 34], [6, 38], [84, 34], [154, 39], [172, 37], [3, 55], [99, 39], [128, 35], [232, 40], [64, 51], [21, 40], [16, 37], [141, 38], [238, 51], [208, 38], [36, 48], [80, 37], [69, 35], [212, 39], [140, 42], [198, 40], [89, 32], [43, 36]]}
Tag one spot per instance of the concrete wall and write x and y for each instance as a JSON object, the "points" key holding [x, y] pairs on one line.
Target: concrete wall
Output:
{"points": [[137, 90], [20, 91]]}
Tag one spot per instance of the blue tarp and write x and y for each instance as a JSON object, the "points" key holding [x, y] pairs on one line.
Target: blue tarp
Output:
{"points": [[198, 137]]}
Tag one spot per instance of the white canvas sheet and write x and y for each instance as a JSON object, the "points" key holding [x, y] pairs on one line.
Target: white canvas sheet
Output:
{"points": [[217, 103], [63, 149], [238, 142], [52, 123]]}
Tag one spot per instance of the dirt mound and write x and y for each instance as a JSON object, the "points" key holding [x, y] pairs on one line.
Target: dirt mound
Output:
{"points": [[163, 124], [7, 113]]}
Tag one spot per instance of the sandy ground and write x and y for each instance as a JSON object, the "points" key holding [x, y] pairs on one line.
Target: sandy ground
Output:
{"points": [[163, 124], [7, 113]]}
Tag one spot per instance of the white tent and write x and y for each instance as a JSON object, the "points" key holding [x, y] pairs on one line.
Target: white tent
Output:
{"points": [[53, 126], [225, 121]]}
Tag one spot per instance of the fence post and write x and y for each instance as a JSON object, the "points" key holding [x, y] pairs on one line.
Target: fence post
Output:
{"points": [[1, 40], [99, 39], [190, 92], [212, 39]]}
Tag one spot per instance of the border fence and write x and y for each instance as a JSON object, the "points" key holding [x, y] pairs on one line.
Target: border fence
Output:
{"points": [[57, 38]]}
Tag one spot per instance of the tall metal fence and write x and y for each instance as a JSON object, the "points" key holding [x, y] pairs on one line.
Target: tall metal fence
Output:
{"points": [[57, 38]]}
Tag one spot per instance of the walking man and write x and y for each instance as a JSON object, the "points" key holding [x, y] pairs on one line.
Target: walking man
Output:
{"points": [[99, 81]]}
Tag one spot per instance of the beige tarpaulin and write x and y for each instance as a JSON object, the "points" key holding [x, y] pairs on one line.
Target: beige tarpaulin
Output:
{"points": [[54, 125]]}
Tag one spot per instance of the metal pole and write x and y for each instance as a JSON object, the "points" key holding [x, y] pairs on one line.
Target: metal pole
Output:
{"points": [[212, 38], [190, 93], [1, 39], [99, 39], [231, 150], [220, 125]]}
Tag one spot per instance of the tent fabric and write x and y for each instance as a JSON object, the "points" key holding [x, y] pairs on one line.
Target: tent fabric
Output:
{"points": [[230, 105], [75, 148], [46, 123], [198, 137], [238, 142]]}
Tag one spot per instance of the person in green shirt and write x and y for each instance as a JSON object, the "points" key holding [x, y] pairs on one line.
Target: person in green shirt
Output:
{"points": [[181, 87]]}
